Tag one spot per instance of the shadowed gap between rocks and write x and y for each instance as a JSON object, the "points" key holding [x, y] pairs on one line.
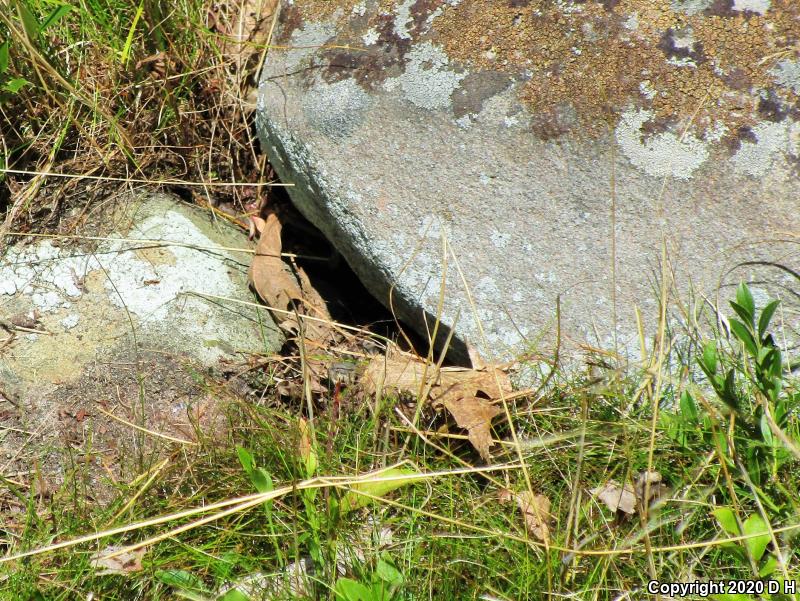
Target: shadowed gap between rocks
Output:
{"points": [[348, 300]]}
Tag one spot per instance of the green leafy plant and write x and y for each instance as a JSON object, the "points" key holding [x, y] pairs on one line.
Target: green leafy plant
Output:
{"points": [[8, 85], [751, 386], [754, 526], [753, 552], [688, 426], [33, 29], [262, 482], [381, 585]]}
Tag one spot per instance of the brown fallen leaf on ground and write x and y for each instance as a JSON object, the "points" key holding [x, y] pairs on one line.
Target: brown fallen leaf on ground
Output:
{"points": [[124, 563], [650, 483], [535, 511], [616, 497], [285, 290], [465, 393], [475, 416], [629, 499]]}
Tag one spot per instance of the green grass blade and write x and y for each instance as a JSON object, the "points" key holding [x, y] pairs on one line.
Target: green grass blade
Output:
{"points": [[54, 16], [126, 49], [4, 57], [29, 22]]}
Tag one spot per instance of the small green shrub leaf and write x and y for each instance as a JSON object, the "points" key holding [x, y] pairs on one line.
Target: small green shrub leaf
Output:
{"points": [[353, 500], [745, 299], [261, 480], [351, 590], [388, 573], [743, 313], [688, 408], [755, 526], [234, 595], [728, 392], [4, 57], [769, 567], [732, 597], [774, 363], [775, 390], [766, 317], [15, 85], [709, 361], [766, 432], [781, 412], [29, 22], [727, 519], [742, 333], [246, 459], [181, 579]]}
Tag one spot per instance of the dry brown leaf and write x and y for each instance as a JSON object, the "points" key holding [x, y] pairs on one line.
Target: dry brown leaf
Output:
{"points": [[616, 497], [535, 511], [124, 563], [629, 499], [279, 288], [464, 393], [274, 284], [651, 483], [475, 416], [394, 375]]}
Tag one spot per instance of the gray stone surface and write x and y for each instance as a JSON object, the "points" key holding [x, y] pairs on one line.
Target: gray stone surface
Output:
{"points": [[483, 144], [116, 324]]}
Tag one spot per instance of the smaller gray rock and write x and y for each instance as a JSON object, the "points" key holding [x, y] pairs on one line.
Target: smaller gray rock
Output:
{"points": [[122, 326]]}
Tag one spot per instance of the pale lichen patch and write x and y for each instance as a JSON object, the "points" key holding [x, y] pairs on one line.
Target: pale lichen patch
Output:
{"points": [[663, 154], [756, 157], [787, 74], [428, 81], [759, 7]]}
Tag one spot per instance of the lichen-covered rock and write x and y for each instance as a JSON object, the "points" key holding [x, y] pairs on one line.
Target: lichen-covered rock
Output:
{"points": [[121, 325], [522, 151]]}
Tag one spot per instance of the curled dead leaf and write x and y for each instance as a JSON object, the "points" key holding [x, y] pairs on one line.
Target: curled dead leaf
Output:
{"points": [[465, 393], [650, 484], [290, 292], [271, 280], [475, 416], [616, 497], [108, 561], [628, 499], [535, 511]]}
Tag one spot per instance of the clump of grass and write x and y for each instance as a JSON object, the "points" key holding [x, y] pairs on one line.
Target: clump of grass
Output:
{"points": [[123, 92], [730, 510]]}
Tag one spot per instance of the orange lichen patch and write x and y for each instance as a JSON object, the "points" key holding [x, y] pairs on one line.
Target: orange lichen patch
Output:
{"points": [[599, 58], [315, 10]]}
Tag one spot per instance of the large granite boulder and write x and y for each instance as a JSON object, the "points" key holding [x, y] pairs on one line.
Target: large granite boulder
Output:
{"points": [[105, 340], [525, 151]]}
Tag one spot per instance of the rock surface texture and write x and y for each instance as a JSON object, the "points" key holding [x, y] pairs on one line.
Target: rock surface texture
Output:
{"points": [[117, 326], [521, 151]]}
